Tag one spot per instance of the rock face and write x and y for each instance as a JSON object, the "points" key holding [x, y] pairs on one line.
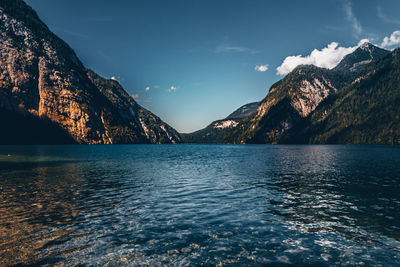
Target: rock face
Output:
{"points": [[30, 130], [217, 131], [141, 120], [41, 75], [289, 100], [366, 111]]}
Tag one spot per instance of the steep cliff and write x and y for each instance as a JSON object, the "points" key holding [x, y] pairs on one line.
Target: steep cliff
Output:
{"points": [[41, 75]]}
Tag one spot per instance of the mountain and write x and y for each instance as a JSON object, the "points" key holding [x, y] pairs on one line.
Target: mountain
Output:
{"points": [[244, 111], [43, 81], [364, 54], [289, 104], [367, 111], [216, 132], [151, 126], [295, 98], [288, 100], [30, 130]]}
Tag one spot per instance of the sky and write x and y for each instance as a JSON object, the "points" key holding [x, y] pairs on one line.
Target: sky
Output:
{"points": [[195, 61]]}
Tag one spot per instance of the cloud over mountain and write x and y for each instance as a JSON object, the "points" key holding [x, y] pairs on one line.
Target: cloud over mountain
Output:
{"points": [[327, 57]]}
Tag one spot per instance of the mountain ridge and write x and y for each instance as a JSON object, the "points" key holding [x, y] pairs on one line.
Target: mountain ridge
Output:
{"points": [[364, 54], [42, 76], [216, 131], [365, 111], [43, 82], [294, 99]]}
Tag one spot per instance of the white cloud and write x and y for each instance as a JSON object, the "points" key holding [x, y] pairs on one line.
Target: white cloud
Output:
{"points": [[147, 88], [135, 96], [327, 57], [261, 68], [392, 40], [172, 89], [331, 55], [355, 24]]}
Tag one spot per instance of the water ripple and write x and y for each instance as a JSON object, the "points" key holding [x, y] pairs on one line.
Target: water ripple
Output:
{"points": [[200, 205]]}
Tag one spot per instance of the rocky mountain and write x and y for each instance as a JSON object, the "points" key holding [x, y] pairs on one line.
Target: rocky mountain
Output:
{"points": [[364, 54], [290, 103], [366, 111], [288, 100], [296, 97], [216, 132], [25, 129], [149, 125], [43, 81]]}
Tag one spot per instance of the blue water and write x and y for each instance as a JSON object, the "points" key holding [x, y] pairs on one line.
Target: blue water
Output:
{"points": [[200, 205]]}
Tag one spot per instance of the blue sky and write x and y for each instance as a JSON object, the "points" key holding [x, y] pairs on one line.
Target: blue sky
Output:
{"points": [[200, 60]]}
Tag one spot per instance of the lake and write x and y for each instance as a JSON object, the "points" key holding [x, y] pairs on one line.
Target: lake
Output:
{"points": [[200, 205]]}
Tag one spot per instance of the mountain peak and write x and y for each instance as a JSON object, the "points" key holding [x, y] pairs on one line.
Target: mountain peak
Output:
{"points": [[366, 45], [363, 55]]}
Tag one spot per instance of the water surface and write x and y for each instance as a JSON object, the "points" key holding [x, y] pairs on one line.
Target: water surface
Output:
{"points": [[200, 205]]}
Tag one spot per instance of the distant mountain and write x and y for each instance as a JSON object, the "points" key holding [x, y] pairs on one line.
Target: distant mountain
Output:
{"points": [[244, 111], [42, 80], [217, 130], [316, 105]]}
